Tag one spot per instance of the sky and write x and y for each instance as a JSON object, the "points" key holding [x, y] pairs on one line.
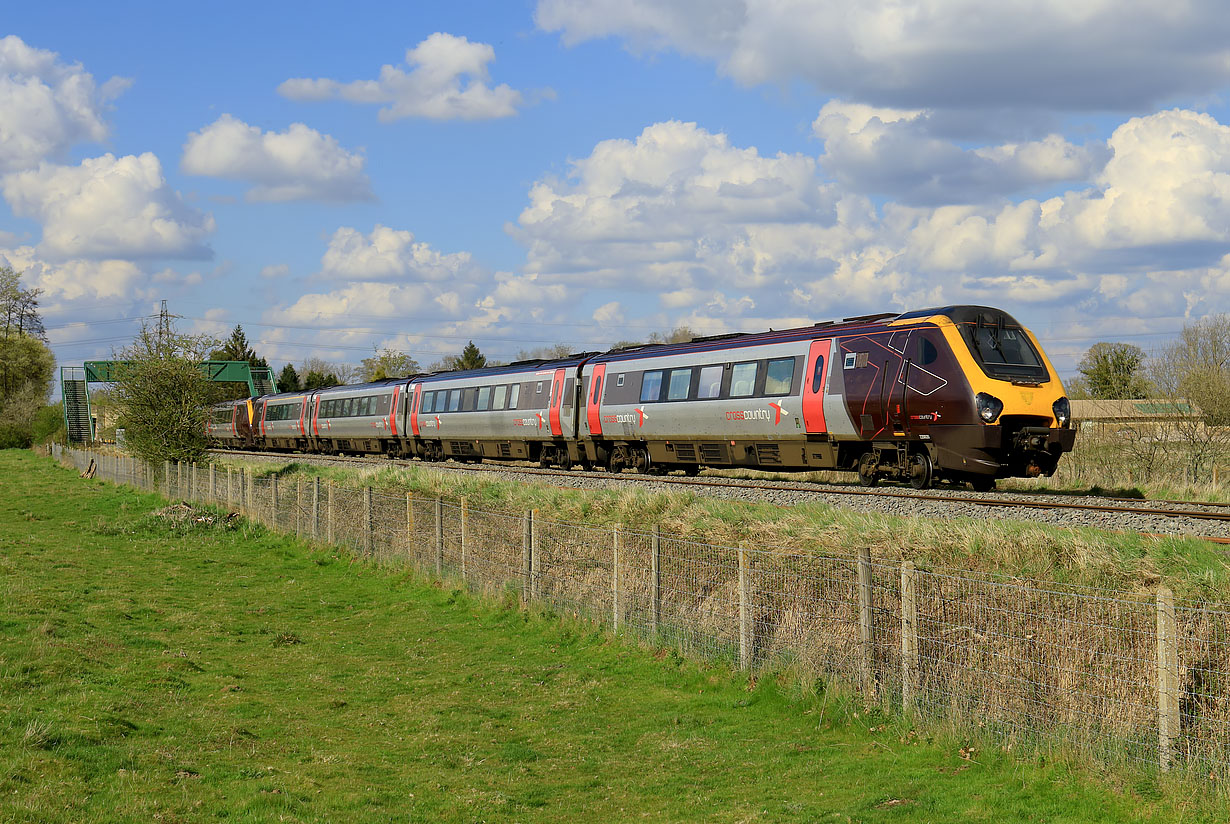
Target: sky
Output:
{"points": [[342, 179]]}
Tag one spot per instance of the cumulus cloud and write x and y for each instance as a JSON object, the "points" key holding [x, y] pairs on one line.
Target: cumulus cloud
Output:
{"points": [[719, 234], [297, 164], [892, 151], [938, 53], [391, 254], [445, 78], [47, 105], [108, 207]]}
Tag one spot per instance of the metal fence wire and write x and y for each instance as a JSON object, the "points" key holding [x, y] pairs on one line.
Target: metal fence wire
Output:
{"points": [[1126, 676]]}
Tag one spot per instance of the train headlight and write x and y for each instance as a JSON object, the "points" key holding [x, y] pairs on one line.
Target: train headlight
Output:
{"points": [[1063, 411], [989, 406]]}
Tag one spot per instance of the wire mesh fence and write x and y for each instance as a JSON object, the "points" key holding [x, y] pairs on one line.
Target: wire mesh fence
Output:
{"points": [[1126, 676]]}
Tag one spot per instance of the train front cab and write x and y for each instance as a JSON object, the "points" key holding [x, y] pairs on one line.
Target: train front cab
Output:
{"points": [[1022, 420]]}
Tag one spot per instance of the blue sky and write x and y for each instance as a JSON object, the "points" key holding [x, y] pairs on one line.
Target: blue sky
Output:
{"points": [[585, 171]]}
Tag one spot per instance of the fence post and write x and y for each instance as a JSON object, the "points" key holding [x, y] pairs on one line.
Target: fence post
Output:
{"points": [[439, 537], [410, 525], [535, 556], [329, 515], [299, 507], [230, 496], [166, 479], [248, 495], [316, 508], [369, 525], [909, 636], [1167, 678], [527, 556], [192, 481], [865, 619], [273, 501], [746, 640], [464, 512], [655, 580], [179, 479], [213, 483], [616, 541]]}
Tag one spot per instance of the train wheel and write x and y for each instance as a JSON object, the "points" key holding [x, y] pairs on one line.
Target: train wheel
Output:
{"points": [[691, 470], [640, 460], [921, 475], [867, 469], [982, 483], [619, 460]]}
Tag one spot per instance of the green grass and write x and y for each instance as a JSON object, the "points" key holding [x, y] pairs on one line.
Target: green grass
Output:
{"points": [[154, 669]]}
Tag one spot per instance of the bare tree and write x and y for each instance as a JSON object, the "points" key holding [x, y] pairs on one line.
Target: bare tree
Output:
{"points": [[1193, 373]]}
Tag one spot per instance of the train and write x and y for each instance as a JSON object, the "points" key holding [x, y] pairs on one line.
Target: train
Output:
{"points": [[960, 394]]}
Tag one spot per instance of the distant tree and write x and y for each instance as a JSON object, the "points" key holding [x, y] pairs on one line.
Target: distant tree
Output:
{"points": [[19, 307], [680, 334], [552, 352], [387, 363], [236, 348], [26, 370], [1194, 374], [161, 394], [288, 379], [1114, 371], [471, 358], [320, 380]]}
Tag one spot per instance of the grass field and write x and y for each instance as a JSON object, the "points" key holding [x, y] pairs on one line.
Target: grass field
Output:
{"points": [[162, 669]]}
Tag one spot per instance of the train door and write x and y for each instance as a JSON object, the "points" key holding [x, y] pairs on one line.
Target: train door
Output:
{"points": [[557, 401], [414, 408], [593, 400], [393, 411], [813, 386]]}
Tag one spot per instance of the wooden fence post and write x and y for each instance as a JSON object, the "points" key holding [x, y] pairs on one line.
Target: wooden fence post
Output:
{"points": [[865, 624], [617, 539], [409, 525], [909, 636], [746, 639], [213, 483], [439, 537], [179, 479], [535, 556], [249, 495], [1167, 678], [369, 523], [299, 507], [464, 512], [527, 556], [273, 501], [329, 514], [655, 580], [316, 508], [230, 496], [166, 479]]}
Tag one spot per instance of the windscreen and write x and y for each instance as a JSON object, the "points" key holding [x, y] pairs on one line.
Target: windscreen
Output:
{"points": [[1000, 346]]}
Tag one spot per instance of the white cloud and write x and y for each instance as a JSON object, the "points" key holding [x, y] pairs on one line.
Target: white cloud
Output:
{"points": [[390, 254], [1054, 54], [74, 285], [712, 233], [275, 270], [297, 164], [46, 105], [446, 80], [108, 207], [894, 152]]}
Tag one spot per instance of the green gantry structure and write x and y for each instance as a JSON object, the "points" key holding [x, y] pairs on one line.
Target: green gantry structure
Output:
{"points": [[75, 380]]}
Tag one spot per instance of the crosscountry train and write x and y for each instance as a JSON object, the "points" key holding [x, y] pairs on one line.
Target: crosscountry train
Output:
{"points": [[955, 393]]}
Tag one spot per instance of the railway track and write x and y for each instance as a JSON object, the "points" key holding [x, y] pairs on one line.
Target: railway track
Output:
{"points": [[1201, 511]]}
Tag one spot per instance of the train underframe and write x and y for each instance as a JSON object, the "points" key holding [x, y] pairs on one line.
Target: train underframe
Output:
{"points": [[975, 454]]}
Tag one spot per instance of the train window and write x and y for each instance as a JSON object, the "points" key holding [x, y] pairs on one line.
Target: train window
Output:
{"points": [[743, 379], [677, 389], [597, 389], [454, 400], [539, 390], [779, 376], [569, 386], [514, 395], [484, 399], [347, 407], [927, 353], [426, 401], [384, 404], [501, 395], [619, 381], [710, 382], [651, 386], [817, 376]]}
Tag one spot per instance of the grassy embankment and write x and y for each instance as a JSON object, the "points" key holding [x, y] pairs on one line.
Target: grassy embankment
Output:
{"points": [[154, 669], [1085, 556]]}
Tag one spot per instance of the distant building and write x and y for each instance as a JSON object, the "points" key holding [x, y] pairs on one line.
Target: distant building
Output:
{"points": [[1103, 416]]}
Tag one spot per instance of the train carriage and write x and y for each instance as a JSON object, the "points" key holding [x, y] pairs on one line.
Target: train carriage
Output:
{"points": [[525, 411], [227, 424], [281, 421], [360, 419]]}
